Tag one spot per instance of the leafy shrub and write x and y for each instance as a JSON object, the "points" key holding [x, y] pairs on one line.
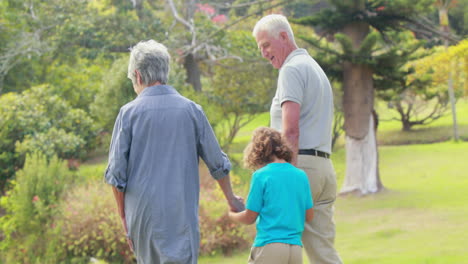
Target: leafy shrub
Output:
{"points": [[116, 90], [221, 235], [29, 207], [91, 227], [10, 131], [38, 120], [75, 78], [218, 234], [52, 142]]}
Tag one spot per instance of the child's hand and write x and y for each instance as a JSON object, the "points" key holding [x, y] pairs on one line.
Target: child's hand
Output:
{"points": [[247, 216], [231, 214]]}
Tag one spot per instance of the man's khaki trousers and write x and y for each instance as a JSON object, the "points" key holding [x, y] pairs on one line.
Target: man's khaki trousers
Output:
{"points": [[319, 234]]}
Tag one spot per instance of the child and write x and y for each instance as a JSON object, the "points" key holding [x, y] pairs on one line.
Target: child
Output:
{"points": [[279, 195]]}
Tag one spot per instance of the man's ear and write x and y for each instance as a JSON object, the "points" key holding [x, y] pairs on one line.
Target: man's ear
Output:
{"points": [[284, 35]]}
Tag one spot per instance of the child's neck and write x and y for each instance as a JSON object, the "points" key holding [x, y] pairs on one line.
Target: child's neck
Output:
{"points": [[277, 160]]}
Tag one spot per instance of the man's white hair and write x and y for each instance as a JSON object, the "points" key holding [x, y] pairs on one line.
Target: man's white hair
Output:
{"points": [[151, 59], [274, 24]]}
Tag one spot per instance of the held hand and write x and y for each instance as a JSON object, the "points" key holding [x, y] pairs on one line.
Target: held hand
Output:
{"points": [[130, 244], [236, 204], [129, 241]]}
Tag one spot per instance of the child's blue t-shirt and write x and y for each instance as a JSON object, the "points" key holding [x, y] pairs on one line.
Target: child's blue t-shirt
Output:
{"points": [[280, 194]]}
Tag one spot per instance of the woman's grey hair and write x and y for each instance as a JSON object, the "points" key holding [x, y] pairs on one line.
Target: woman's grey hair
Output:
{"points": [[151, 60], [273, 25]]}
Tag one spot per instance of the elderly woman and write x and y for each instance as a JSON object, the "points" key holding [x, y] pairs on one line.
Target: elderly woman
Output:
{"points": [[153, 163]]}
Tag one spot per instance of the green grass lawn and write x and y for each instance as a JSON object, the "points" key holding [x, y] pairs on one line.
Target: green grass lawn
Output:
{"points": [[421, 217]]}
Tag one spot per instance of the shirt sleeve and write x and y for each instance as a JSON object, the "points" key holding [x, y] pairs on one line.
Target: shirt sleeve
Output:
{"points": [[255, 198], [209, 150], [290, 85], [116, 172]]}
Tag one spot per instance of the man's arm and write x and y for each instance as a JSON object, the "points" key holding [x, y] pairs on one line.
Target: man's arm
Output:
{"points": [[235, 202], [247, 216], [290, 123]]}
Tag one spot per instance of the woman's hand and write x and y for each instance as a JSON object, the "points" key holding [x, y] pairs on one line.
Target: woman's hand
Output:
{"points": [[236, 204], [129, 241]]}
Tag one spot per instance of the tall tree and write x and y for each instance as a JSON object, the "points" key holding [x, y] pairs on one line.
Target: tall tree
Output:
{"points": [[24, 27], [357, 26]]}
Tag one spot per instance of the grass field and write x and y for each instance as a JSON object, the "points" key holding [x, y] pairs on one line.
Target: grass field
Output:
{"points": [[421, 217]]}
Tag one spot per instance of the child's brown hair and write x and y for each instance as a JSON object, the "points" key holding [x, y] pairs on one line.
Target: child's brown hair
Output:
{"points": [[265, 144]]}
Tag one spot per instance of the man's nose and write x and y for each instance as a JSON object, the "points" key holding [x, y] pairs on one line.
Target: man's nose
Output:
{"points": [[264, 53]]}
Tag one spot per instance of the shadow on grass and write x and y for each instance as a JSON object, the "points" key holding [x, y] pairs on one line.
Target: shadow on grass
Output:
{"points": [[426, 135]]}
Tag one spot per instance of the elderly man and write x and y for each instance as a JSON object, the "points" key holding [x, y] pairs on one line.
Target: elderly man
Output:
{"points": [[153, 163], [303, 110]]}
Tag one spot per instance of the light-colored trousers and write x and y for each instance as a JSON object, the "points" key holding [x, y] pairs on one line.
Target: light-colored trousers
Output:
{"points": [[276, 253], [319, 234]]}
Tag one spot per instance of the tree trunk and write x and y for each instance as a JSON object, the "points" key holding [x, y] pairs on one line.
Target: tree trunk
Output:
{"points": [[361, 163], [138, 5], [376, 127], [406, 126], [193, 72], [445, 26], [358, 103]]}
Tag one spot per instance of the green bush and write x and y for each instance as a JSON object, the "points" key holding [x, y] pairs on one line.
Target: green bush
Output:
{"points": [[115, 91], [221, 235], [30, 206], [218, 234], [91, 227], [38, 120], [76, 79], [52, 142]]}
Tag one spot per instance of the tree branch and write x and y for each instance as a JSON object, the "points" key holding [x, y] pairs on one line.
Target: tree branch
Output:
{"points": [[424, 26], [209, 37], [184, 22], [231, 6]]}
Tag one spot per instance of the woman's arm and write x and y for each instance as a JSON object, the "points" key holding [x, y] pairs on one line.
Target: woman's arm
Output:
{"points": [[247, 216], [235, 202], [120, 199]]}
